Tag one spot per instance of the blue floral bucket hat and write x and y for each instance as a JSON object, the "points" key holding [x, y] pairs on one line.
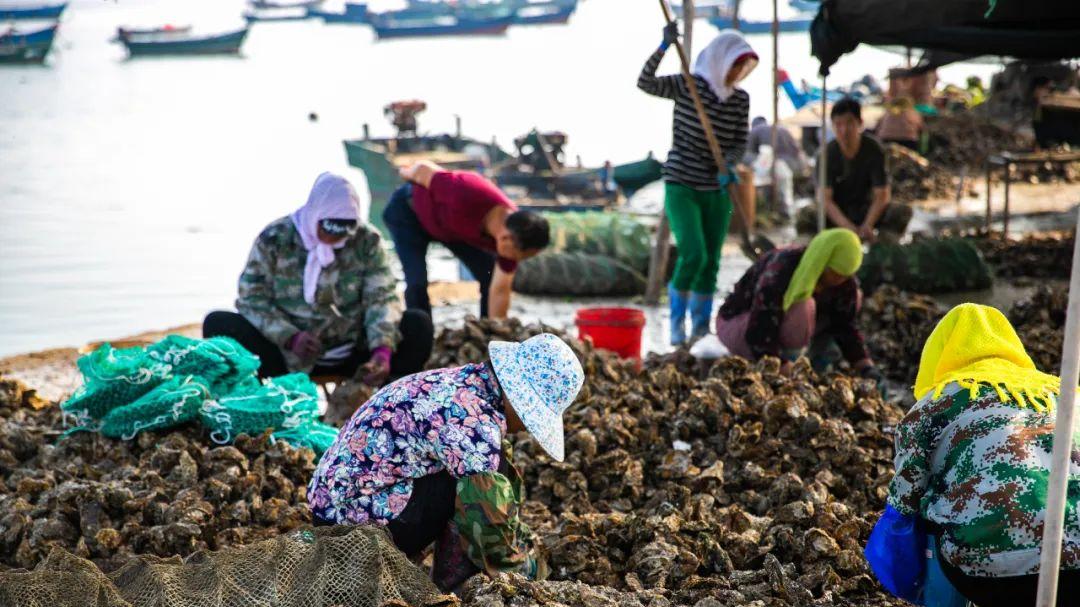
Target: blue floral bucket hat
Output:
{"points": [[540, 376]]}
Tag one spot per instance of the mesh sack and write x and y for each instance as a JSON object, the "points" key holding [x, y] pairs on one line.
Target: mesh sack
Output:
{"points": [[311, 434], [614, 235], [926, 266], [221, 361], [324, 567], [281, 403], [61, 580], [112, 378], [577, 274], [175, 402]]}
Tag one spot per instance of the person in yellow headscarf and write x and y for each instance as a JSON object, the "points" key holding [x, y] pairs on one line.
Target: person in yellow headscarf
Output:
{"points": [[973, 457], [799, 297]]}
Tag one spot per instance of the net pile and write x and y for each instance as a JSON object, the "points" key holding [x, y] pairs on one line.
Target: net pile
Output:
{"points": [[326, 567], [591, 253], [926, 266], [179, 380]]}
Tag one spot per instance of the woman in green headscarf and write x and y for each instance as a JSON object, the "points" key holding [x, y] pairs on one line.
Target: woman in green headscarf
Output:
{"points": [[798, 297]]}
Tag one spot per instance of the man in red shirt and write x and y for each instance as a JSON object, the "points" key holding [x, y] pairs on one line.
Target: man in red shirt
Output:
{"points": [[469, 215]]}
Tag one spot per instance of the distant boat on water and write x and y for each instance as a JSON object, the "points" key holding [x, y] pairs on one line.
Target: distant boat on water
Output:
{"points": [[146, 31], [295, 13], [32, 11], [26, 46], [545, 11], [354, 12], [184, 43], [285, 3], [447, 25]]}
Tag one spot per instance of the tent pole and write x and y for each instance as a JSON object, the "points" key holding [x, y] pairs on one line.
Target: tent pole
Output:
{"points": [[774, 200], [1054, 523], [822, 160]]}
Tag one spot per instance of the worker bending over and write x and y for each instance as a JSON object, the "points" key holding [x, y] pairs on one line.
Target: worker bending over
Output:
{"points": [[317, 295], [469, 215], [798, 300], [428, 457], [973, 459]]}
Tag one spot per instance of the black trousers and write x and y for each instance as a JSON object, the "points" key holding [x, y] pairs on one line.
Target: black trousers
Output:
{"points": [[417, 338], [411, 244], [430, 508], [1014, 591]]}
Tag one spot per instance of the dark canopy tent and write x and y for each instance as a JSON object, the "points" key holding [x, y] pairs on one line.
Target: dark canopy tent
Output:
{"points": [[1026, 29]]}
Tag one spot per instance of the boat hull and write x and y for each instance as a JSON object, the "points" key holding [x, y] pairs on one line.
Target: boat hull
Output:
{"points": [[30, 47], [354, 13], [762, 27], [462, 27], [38, 12], [216, 45], [544, 15]]}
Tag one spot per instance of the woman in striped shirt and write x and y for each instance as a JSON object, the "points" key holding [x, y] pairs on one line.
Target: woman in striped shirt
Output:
{"points": [[696, 202]]}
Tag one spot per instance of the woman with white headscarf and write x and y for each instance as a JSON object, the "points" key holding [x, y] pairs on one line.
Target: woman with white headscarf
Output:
{"points": [[696, 202], [317, 295]]}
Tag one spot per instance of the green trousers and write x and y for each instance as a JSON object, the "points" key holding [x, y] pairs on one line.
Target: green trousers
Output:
{"points": [[699, 221]]}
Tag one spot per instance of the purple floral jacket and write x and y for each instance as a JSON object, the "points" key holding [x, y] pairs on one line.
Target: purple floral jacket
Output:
{"points": [[446, 419], [761, 289]]}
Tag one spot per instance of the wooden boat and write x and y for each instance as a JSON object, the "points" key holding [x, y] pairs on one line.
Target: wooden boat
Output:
{"points": [[536, 13], [448, 25], [26, 46], [353, 13], [298, 13], [180, 30], [184, 44], [805, 6], [32, 11]]}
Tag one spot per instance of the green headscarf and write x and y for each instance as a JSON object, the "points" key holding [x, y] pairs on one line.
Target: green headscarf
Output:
{"points": [[838, 249]]}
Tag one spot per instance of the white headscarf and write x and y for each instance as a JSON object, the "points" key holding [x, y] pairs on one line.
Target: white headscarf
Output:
{"points": [[715, 61], [332, 197]]}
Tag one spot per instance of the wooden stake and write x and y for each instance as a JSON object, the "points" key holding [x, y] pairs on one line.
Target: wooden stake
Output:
{"points": [[823, 160], [1060, 460]]}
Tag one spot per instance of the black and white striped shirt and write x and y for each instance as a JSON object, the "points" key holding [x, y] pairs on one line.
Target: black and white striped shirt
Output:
{"points": [[690, 162]]}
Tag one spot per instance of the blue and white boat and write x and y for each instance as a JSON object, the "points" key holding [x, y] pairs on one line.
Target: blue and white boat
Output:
{"points": [[184, 43], [354, 12], [761, 27], [463, 23], [32, 46], [544, 11], [298, 13], [31, 11]]}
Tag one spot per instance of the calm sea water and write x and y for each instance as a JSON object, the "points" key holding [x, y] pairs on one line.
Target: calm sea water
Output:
{"points": [[131, 190]]}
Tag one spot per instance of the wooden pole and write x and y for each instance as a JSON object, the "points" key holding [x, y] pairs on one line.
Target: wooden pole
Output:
{"points": [[1060, 460], [823, 159], [774, 199]]}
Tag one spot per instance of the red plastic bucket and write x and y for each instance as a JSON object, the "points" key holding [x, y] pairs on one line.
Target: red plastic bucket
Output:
{"points": [[615, 329]]}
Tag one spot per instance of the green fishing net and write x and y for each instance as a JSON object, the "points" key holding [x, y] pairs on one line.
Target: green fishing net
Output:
{"points": [[179, 379], [597, 233], [926, 266]]}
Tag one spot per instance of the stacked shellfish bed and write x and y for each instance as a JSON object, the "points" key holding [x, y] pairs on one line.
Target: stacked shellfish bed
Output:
{"points": [[711, 485]]}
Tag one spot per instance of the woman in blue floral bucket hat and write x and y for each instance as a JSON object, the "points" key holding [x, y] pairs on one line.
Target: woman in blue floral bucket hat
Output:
{"points": [[427, 457]]}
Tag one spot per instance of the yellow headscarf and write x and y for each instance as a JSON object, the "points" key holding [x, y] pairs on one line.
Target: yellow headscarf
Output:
{"points": [[838, 249], [976, 345]]}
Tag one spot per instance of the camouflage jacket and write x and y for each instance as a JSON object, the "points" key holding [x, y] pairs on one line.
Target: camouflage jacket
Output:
{"points": [[978, 468], [356, 296], [487, 514]]}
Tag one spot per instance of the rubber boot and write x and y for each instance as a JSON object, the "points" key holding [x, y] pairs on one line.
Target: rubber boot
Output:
{"points": [[678, 301], [701, 306]]}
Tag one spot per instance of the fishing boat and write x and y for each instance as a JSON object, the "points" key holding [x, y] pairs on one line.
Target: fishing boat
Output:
{"points": [[184, 43], [805, 6], [380, 158], [353, 13], [544, 12], [297, 13], [32, 46], [146, 31], [417, 9], [32, 11], [461, 24], [761, 27], [704, 9]]}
